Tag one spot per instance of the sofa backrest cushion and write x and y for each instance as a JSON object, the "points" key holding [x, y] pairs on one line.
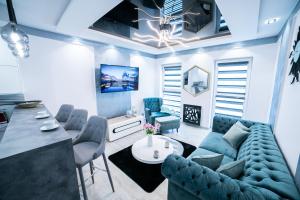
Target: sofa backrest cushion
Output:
{"points": [[235, 136], [233, 169], [154, 104], [265, 166], [222, 123]]}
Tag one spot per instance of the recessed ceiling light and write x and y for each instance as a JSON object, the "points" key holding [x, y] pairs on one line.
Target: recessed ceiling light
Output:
{"points": [[272, 20], [77, 41]]}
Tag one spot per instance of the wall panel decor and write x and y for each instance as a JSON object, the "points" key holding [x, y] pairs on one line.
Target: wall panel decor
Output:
{"points": [[295, 61], [192, 114]]}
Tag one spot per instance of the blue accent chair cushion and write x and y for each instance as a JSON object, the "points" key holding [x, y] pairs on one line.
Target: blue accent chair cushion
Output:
{"points": [[153, 109], [265, 175]]}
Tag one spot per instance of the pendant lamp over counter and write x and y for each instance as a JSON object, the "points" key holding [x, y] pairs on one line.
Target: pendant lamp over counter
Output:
{"points": [[17, 40]]}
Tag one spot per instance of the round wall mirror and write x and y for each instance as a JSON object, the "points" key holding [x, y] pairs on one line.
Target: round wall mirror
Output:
{"points": [[196, 80]]}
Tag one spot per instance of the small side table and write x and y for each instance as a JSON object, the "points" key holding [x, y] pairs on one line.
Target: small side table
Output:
{"points": [[143, 153]]}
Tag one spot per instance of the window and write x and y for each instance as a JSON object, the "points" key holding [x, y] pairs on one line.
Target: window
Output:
{"points": [[172, 88], [174, 7], [231, 88]]}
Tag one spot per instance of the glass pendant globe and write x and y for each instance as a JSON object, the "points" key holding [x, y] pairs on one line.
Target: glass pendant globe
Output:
{"points": [[18, 40], [12, 34]]}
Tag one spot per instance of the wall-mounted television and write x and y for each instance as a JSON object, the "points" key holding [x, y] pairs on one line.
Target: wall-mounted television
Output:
{"points": [[116, 78]]}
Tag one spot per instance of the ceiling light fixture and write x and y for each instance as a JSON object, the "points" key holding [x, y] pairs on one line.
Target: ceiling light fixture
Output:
{"points": [[18, 40], [164, 35], [272, 20]]}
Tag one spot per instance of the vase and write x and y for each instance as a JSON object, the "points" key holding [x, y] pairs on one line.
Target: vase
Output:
{"points": [[150, 141]]}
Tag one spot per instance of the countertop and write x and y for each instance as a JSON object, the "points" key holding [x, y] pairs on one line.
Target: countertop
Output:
{"points": [[23, 133]]}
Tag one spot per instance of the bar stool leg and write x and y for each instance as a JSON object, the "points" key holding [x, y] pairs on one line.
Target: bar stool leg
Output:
{"points": [[108, 173], [82, 183], [92, 171]]}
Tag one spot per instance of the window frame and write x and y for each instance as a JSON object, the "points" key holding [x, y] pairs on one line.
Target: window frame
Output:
{"points": [[162, 81], [248, 86]]}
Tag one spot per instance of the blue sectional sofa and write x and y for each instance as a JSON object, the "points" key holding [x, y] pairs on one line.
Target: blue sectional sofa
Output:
{"points": [[265, 176]]}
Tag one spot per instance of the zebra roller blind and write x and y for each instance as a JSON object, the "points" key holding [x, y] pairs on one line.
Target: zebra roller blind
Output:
{"points": [[231, 88], [172, 88]]}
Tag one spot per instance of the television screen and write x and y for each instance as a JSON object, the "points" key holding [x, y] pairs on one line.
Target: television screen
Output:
{"points": [[116, 78]]}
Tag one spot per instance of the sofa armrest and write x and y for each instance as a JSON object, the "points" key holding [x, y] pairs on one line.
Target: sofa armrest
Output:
{"points": [[147, 115], [205, 183]]}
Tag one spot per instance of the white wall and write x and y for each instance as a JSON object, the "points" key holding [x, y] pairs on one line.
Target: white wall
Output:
{"points": [[148, 82], [287, 121], [148, 77], [57, 72], [261, 82], [10, 79]]}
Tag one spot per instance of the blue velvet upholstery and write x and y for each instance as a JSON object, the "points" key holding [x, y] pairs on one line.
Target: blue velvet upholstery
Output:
{"points": [[201, 182], [265, 175], [153, 109], [265, 166], [222, 123], [215, 142]]}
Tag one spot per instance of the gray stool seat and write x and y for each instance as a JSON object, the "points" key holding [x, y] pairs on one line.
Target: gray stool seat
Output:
{"points": [[168, 122], [84, 152]]}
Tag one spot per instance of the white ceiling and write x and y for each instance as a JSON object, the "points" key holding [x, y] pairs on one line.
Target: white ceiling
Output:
{"points": [[269, 8], [39, 13], [73, 17]]}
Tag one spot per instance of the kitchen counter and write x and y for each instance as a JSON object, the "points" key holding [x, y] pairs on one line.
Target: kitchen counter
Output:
{"points": [[36, 164]]}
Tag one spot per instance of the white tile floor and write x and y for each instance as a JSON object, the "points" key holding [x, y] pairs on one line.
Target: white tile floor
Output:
{"points": [[126, 189]]}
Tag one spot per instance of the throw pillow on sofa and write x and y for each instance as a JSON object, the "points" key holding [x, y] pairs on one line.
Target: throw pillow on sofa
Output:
{"points": [[233, 169], [235, 136], [212, 161], [242, 126]]}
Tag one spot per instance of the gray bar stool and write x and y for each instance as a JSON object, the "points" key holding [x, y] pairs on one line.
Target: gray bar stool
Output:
{"points": [[88, 146], [64, 113], [75, 122]]}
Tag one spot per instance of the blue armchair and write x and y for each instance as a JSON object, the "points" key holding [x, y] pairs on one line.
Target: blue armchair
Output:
{"points": [[153, 109]]}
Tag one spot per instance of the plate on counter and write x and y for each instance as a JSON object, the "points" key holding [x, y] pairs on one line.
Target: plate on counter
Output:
{"points": [[49, 126], [29, 104], [42, 116]]}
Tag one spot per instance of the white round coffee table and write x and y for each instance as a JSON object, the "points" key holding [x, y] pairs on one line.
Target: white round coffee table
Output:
{"points": [[143, 153]]}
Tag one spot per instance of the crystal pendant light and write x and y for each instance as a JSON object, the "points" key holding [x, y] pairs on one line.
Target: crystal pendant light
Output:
{"points": [[17, 40]]}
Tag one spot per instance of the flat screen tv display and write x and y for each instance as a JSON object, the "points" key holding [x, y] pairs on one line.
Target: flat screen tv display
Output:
{"points": [[115, 78]]}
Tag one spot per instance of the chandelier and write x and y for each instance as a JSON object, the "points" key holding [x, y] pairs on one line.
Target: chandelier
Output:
{"points": [[164, 34], [16, 39]]}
